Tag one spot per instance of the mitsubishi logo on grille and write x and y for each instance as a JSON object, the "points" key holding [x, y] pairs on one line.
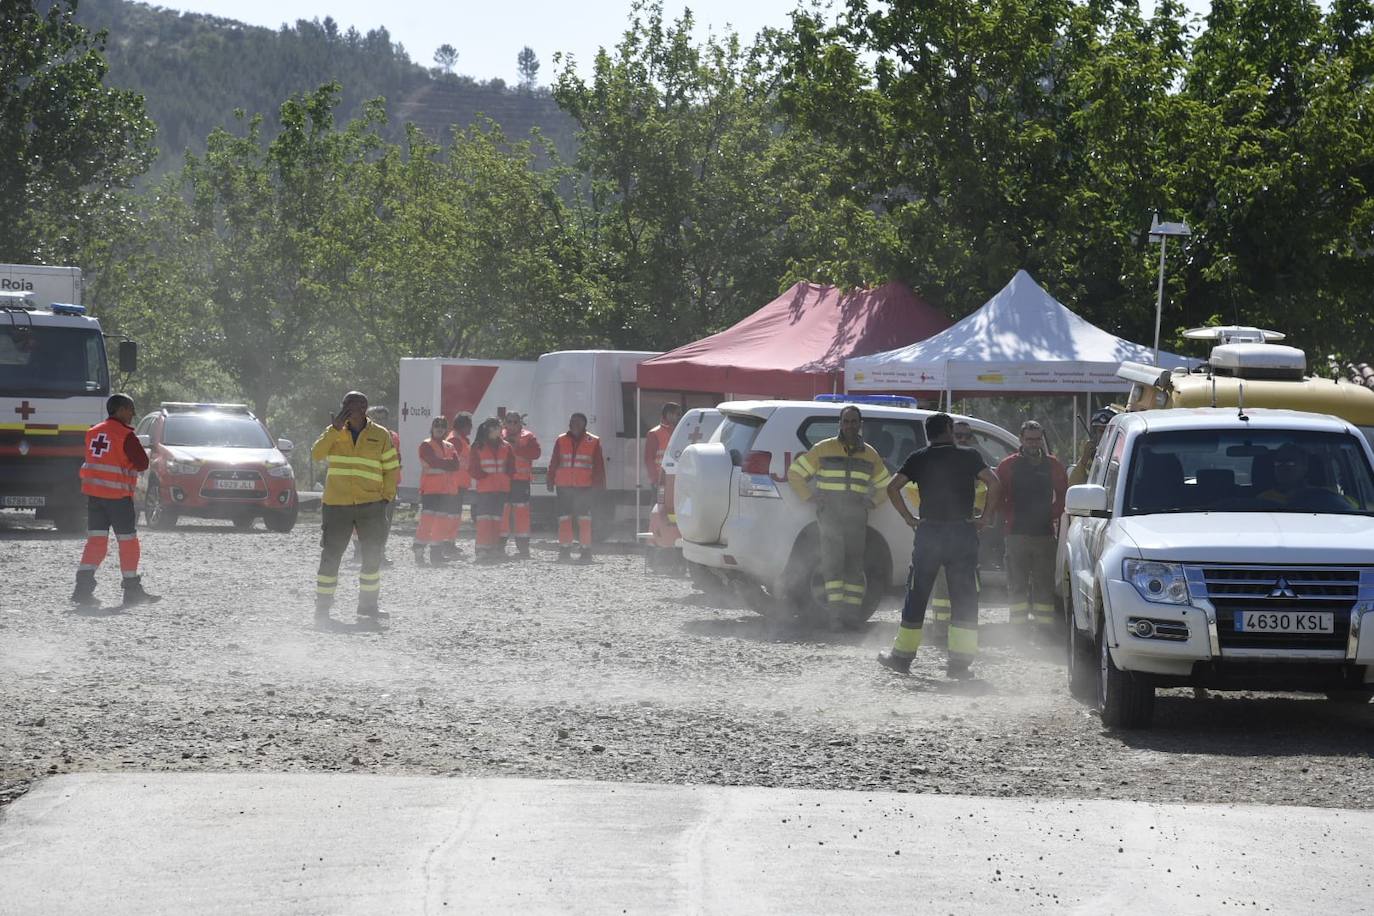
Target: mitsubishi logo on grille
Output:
{"points": [[1282, 589]]}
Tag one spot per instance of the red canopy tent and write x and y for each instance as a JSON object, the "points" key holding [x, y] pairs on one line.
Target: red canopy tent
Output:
{"points": [[796, 345]]}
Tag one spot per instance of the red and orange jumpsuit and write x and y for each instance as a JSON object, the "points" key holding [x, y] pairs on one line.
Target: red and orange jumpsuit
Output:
{"points": [[578, 469], [516, 519], [438, 494], [492, 467], [113, 460], [462, 479]]}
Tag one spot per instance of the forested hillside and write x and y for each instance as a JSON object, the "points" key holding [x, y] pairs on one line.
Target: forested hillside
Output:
{"points": [[194, 70]]}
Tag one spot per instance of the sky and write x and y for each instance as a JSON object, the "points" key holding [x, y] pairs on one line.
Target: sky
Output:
{"points": [[488, 35]]}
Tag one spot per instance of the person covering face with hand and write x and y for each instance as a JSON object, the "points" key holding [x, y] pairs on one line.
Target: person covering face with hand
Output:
{"points": [[363, 470]]}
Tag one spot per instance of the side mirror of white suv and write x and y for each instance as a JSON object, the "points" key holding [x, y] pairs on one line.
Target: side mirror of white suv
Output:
{"points": [[1088, 499]]}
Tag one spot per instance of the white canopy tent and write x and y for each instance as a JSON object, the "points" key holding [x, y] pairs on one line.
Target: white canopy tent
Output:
{"points": [[1022, 341]]}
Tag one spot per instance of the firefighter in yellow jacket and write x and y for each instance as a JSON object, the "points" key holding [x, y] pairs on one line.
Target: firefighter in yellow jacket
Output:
{"points": [[845, 477], [363, 471]]}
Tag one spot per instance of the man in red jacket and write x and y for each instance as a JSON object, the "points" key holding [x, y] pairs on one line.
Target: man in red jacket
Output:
{"points": [[1032, 499], [112, 462]]}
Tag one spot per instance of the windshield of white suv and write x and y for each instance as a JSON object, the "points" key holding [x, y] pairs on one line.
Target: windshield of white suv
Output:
{"points": [[47, 361], [215, 431], [1240, 470]]}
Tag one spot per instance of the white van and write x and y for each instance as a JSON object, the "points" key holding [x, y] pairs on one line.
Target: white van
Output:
{"points": [[547, 391]]}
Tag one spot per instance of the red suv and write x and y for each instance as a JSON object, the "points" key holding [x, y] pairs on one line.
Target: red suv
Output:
{"points": [[215, 461]]}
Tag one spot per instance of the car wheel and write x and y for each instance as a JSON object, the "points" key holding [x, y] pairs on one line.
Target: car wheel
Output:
{"points": [[1079, 660], [280, 520], [804, 594], [243, 522], [1123, 698], [155, 512]]}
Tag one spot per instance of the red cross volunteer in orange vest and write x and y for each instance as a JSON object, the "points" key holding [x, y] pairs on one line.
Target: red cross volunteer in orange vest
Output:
{"points": [[109, 472], [459, 435], [492, 463], [526, 448], [656, 442], [577, 469], [438, 524]]}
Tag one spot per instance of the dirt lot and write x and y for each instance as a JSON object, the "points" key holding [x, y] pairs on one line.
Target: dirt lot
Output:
{"points": [[537, 669]]}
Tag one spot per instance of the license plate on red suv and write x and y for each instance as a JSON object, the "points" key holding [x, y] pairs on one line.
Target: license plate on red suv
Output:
{"points": [[1315, 622], [236, 484]]}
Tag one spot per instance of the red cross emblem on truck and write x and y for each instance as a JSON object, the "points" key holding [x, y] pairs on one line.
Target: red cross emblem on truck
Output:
{"points": [[100, 445], [25, 410]]}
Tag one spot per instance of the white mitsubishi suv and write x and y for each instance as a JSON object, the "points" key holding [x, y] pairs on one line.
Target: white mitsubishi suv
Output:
{"points": [[1226, 549], [741, 522]]}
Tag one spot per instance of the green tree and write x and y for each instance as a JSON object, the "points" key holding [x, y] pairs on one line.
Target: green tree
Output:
{"points": [[1276, 172], [69, 144], [446, 57], [527, 64], [987, 137], [268, 243], [680, 190]]}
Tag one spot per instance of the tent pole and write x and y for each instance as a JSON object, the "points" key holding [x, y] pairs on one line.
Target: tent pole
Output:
{"points": [[639, 453]]}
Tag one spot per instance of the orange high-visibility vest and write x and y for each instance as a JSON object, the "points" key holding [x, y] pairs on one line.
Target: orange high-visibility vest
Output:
{"points": [[655, 444], [495, 464], [526, 449], [435, 479], [107, 471], [463, 476], [576, 460]]}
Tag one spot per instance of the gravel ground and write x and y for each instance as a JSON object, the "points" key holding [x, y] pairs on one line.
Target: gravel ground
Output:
{"points": [[601, 672]]}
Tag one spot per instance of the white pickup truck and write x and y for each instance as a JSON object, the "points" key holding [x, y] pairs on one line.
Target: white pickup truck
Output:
{"points": [[1222, 548]]}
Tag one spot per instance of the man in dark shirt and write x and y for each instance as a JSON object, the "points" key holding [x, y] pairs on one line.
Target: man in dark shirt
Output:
{"points": [[946, 538]]}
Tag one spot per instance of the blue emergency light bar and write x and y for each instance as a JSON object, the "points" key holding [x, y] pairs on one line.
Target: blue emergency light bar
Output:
{"points": [[67, 308], [877, 400]]}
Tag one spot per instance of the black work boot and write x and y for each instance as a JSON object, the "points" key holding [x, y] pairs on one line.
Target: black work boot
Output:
{"points": [[368, 610], [134, 593], [522, 548], [437, 555], [896, 661], [84, 593], [958, 669], [419, 555], [565, 554], [585, 556], [322, 605]]}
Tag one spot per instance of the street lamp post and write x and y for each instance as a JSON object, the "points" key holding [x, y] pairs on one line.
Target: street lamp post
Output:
{"points": [[1160, 232]]}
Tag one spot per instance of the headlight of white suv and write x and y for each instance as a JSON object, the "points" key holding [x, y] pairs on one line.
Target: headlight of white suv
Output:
{"points": [[1161, 583], [281, 470]]}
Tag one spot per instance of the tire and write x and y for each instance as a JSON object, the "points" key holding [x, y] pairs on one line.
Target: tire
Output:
{"points": [[1123, 699], [243, 522], [155, 512], [280, 520], [1079, 661], [804, 592]]}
